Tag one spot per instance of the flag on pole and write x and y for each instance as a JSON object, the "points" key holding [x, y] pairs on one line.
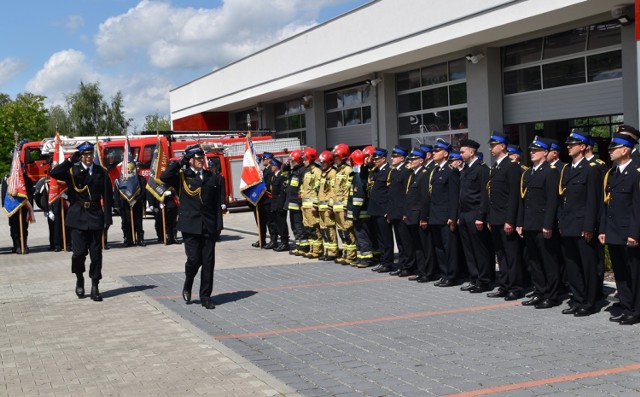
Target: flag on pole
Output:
{"points": [[17, 196], [97, 158], [56, 187], [127, 183], [251, 183], [159, 163]]}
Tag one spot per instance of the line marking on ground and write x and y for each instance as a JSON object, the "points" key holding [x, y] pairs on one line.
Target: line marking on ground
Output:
{"points": [[547, 381], [367, 321]]}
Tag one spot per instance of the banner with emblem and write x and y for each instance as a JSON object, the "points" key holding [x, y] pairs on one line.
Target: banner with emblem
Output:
{"points": [[128, 184], [17, 196], [252, 185], [159, 164], [56, 187]]}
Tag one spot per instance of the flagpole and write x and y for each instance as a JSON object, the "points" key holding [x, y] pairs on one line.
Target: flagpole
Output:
{"points": [[257, 208], [133, 232], [164, 226], [21, 231]]}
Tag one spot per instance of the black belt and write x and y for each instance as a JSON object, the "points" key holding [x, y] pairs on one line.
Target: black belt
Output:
{"points": [[90, 204]]}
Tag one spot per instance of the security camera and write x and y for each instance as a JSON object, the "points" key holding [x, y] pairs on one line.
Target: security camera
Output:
{"points": [[474, 58], [307, 98], [623, 13]]}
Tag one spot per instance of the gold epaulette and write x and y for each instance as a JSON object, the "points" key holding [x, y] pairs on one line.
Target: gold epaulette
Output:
{"points": [[552, 166], [524, 167], [598, 161], [424, 170], [593, 163], [513, 161], [451, 166]]}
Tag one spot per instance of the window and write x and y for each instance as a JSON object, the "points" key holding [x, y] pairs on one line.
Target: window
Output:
{"points": [[291, 120], [350, 106], [578, 56], [437, 106]]}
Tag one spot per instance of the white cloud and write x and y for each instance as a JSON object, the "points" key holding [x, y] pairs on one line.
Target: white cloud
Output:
{"points": [[173, 37], [10, 68], [74, 22]]}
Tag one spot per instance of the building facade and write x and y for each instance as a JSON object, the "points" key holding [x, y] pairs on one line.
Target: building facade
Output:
{"points": [[410, 71]]}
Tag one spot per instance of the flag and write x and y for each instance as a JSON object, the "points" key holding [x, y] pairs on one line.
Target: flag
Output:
{"points": [[16, 196], [128, 184], [56, 187], [251, 183], [97, 151], [159, 163]]}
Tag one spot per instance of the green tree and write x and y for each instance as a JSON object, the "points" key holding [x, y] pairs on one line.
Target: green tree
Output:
{"points": [[156, 122], [86, 110], [115, 121], [58, 121], [25, 115]]}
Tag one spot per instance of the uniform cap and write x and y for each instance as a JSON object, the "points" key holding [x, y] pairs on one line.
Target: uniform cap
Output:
{"points": [[629, 130], [577, 136], [194, 151], [514, 149], [441, 144], [379, 152], [267, 155], [554, 144], [85, 147], [276, 162], [498, 137], [540, 144], [426, 148], [417, 153], [455, 156], [399, 151], [622, 140]]}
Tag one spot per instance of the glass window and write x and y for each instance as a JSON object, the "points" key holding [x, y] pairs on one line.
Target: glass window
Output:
{"points": [[334, 119], [604, 66], [409, 124], [436, 121], [331, 100], [366, 114], [434, 74], [435, 98], [351, 97], [527, 51], [459, 119], [522, 80], [281, 124], [409, 102], [458, 69], [408, 80], [353, 116], [366, 93], [564, 43], [295, 107], [280, 109], [563, 73], [458, 94], [147, 153], [604, 34]]}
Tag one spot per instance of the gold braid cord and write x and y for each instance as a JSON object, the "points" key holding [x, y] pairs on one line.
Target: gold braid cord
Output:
{"points": [[193, 193], [523, 192], [607, 196], [561, 189], [75, 187]]}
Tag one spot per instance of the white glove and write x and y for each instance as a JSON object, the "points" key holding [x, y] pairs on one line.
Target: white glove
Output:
{"points": [[151, 208], [167, 193], [133, 202], [161, 206], [51, 216], [64, 195]]}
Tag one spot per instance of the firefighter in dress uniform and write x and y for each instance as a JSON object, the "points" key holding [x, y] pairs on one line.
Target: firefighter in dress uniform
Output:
{"points": [[278, 210]]}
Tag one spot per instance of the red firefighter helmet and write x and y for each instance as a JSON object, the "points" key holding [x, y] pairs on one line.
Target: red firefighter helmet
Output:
{"points": [[341, 150], [357, 157], [326, 157], [310, 154], [368, 151], [296, 156]]}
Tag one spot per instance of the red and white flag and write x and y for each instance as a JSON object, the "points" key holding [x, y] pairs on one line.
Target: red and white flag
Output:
{"points": [[56, 187]]}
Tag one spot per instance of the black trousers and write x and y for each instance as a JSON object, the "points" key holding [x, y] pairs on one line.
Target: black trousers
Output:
{"points": [[581, 268], [509, 253], [544, 264], [427, 265], [280, 219], [87, 242], [125, 215], [200, 250], [170, 221], [626, 269], [384, 236], [478, 249], [445, 245], [406, 248], [14, 226]]}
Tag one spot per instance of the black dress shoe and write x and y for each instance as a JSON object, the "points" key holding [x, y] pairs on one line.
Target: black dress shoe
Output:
{"points": [[618, 318], [207, 303], [385, 269], [630, 320], [257, 244], [270, 246], [79, 290], [439, 281], [583, 312], [405, 273], [571, 310], [282, 248], [423, 279], [95, 294], [512, 296], [500, 293], [534, 300], [467, 287], [447, 283], [415, 277], [377, 268], [545, 304], [395, 272], [479, 288], [186, 295]]}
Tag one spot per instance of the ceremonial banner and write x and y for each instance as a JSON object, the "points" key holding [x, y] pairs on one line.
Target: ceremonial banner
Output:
{"points": [[158, 165], [16, 195], [251, 183], [128, 184], [56, 187]]}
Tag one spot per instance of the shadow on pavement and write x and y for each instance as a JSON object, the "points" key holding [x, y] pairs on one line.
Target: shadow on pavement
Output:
{"points": [[232, 296], [126, 290]]}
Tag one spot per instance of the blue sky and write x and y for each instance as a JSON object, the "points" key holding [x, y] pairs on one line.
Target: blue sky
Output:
{"points": [[142, 48]]}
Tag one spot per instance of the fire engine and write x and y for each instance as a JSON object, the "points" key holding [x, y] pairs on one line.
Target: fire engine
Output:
{"points": [[224, 150]]}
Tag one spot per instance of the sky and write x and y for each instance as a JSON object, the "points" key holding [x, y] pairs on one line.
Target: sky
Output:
{"points": [[142, 48]]}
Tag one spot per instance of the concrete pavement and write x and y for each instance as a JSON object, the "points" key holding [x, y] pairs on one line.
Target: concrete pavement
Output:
{"points": [[286, 326]]}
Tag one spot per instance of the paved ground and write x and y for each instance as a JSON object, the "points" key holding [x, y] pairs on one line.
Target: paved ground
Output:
{"points": [[286, 326]]}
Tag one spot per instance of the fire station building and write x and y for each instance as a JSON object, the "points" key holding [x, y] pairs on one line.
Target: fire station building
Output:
{"points": [[408, 71]]}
